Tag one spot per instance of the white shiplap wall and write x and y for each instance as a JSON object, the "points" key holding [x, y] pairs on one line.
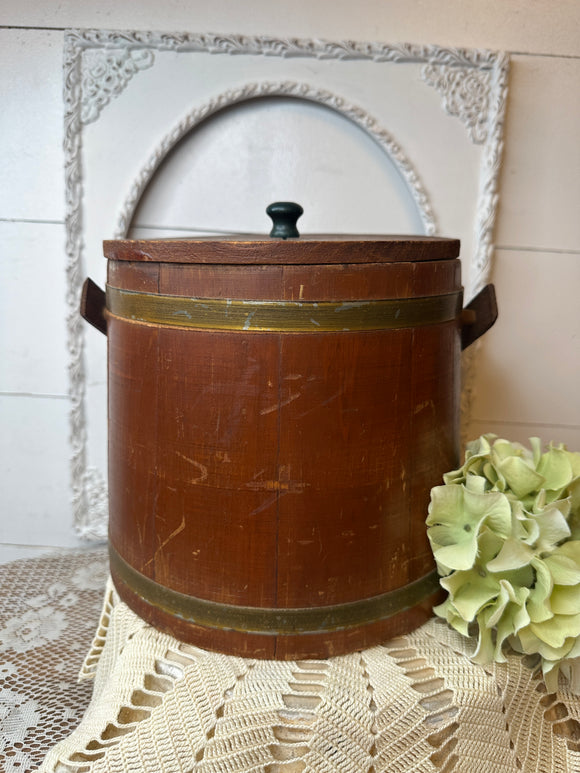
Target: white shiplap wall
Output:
{"points": [[527, 380]]}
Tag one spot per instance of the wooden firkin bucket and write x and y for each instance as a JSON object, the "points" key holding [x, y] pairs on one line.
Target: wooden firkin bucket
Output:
{"points": [[278, 412]]}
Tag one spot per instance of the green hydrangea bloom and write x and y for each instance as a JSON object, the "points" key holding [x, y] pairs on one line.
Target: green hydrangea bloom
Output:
{"points": [[505, 533]]}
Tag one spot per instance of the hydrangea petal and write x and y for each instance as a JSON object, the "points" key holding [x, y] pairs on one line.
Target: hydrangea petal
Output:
{"points": [[482, 445], [556, 468], [565, 568], [510, 623], [527, 530], [574, 519], [508, 597], [532, 644], [558, 630], [454, 521], [485, 644], [539, 606], [493, 477], [553, 527], [476, 484], [536, 446], [550, 672], [521, 616], [520, 477], [476, 454], [454, 477], [513, 555], [459, 556], [565, 600], [494, 507], [574, 458], [447, 612], [571, 549], [470, 592], [503, 449]]}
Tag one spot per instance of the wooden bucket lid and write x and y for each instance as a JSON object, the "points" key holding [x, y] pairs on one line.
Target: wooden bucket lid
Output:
{"points": [[312, 249], [285, 246]]}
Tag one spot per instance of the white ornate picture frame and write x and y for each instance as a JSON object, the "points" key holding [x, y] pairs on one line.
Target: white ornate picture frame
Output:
{"points": [[132, 97]]}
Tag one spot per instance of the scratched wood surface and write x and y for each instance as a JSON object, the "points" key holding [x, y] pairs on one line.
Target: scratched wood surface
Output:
{"points": [[310, 248], [280, 469]]}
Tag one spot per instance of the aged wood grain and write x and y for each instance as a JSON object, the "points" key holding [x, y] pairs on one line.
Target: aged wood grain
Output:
{"points": [[280, 470]]}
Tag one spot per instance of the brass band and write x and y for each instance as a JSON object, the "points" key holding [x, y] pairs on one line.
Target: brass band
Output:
{"points": [[270, 621], [282, 316]]}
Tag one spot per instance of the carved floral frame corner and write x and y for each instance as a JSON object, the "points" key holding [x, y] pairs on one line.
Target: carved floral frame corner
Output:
{"points": [[98, 65]]}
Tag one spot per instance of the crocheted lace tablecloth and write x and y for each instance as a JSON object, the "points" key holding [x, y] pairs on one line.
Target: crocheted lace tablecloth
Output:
{"points": [[146, 702]]}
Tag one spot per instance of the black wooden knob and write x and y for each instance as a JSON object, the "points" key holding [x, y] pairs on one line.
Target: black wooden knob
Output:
{"points": [[284, 215]]}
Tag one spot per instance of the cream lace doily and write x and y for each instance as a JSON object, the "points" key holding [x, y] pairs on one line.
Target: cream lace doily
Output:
{"points": [[49, 608], [414, 704]]}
